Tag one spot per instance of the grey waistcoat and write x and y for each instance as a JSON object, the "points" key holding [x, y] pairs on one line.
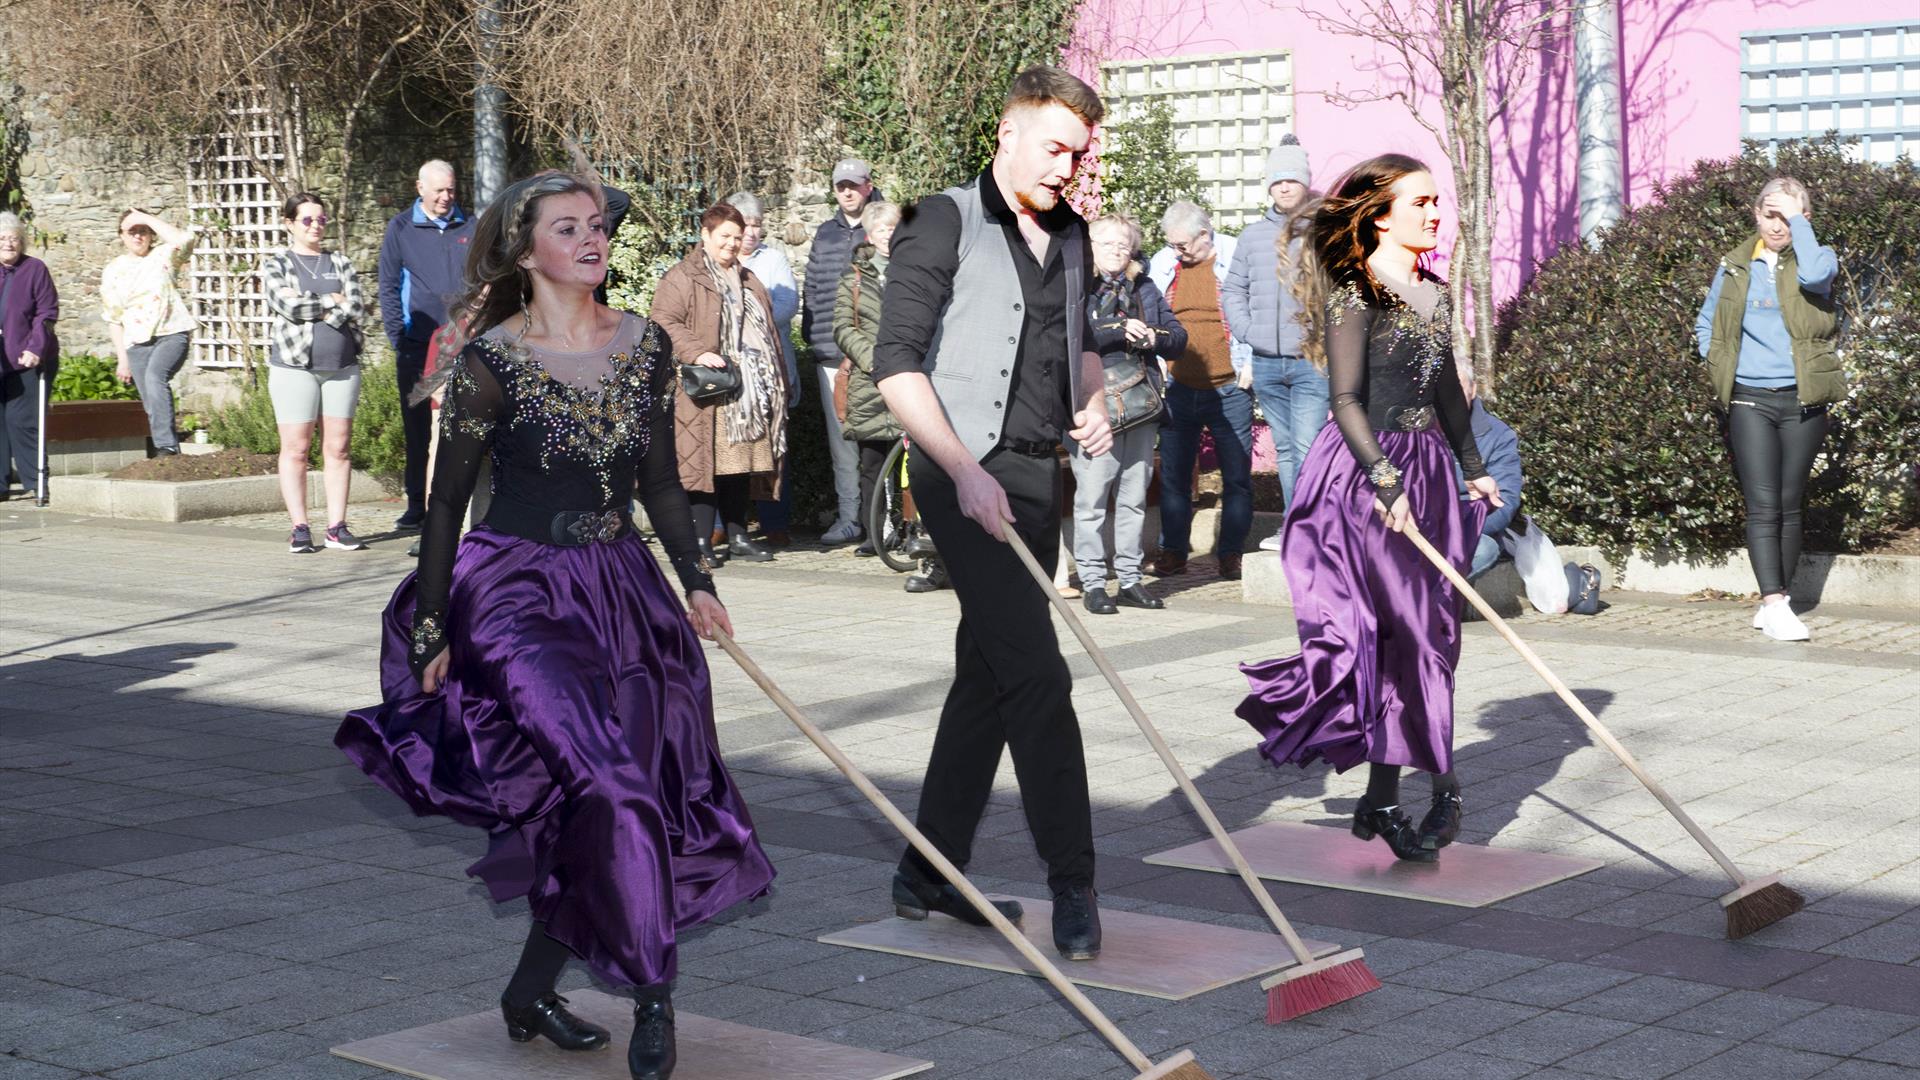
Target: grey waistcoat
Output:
{"points": [[971, 357]]}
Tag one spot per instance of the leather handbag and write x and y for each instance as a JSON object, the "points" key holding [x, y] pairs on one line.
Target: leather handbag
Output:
{"points": [[1132, 397], [707, 385]]}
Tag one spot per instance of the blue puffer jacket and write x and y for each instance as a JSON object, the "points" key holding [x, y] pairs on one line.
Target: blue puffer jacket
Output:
{"points": [[827, 262], [1262, 313]]}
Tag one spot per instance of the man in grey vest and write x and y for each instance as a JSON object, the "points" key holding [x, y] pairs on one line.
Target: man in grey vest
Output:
{"points": [[981, 357]]}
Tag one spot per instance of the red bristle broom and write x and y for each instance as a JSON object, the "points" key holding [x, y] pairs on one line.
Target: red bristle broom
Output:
{"points": [[1755, 902], [1310, 984], [1180, 1066]]}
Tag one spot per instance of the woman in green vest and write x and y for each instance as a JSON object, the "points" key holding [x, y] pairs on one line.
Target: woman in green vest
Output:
{"points": [[1767, 331]]}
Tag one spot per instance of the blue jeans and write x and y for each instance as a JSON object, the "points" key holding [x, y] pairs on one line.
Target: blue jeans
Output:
{"points": [[1226, 411], [1484, 556], [1293, 396]]}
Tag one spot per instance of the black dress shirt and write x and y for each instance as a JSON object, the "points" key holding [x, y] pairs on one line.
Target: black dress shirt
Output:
{"points": [[921, 267]]}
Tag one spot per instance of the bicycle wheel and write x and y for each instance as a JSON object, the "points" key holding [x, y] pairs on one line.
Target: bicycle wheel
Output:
{"points": [[887, 525]]}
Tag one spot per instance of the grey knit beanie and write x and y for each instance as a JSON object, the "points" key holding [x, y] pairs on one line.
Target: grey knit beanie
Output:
{"points": [[1288, 161]]}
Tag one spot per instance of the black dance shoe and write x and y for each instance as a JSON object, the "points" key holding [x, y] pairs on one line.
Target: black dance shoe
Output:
{"points": [[547, 1015], [747, 551], [1389, 824], [1076, 923], [1442, 823], [710, 560], [913, 897], [1136, 595], [651, 1056]]}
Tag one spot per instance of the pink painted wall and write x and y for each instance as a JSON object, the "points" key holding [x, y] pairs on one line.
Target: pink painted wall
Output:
{"points": [[1680, 63]]}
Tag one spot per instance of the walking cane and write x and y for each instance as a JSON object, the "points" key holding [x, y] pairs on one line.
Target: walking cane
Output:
{"points": [[1754, 902], [40, 453]]}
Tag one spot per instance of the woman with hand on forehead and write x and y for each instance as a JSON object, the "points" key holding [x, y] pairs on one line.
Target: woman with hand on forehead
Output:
{"points": [[1379, 625], [542, 680]]}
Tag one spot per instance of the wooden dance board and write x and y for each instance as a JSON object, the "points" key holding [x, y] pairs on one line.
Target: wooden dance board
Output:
{"points": [[1467, 875], [476, 1047], [1140, 954]]}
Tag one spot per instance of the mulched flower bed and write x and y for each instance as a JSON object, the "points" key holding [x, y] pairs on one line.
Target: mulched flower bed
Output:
{"points": [[219, 465]]}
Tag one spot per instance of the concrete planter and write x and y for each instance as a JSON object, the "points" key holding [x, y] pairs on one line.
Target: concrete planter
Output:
{"points": [[191, 500], [1866, 580], [94, 436], [1264, 581]]}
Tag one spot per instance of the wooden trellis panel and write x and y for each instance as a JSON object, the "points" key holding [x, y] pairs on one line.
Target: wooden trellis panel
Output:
{"points": [[232, 196]]}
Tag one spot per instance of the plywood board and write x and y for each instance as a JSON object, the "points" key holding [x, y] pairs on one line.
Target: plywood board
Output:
{"points": [[1467, 875], [1140, 954], [476, 1047]]}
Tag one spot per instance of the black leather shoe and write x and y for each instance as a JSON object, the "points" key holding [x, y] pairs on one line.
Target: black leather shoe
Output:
{"points": [[1442, 823], [412, 519], [913, 897], [1136, 595], [1076, 923], [1389, 824], [651, 1056], [747, 551], [932, 579], [1098, 602], [920, 547], [547, 1015]]}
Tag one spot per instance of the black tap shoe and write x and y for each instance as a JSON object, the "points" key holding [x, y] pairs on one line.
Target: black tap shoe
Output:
{"points": [[1442, 823], [1076, 923], [547, 1015], [651, 1054], [1389, 824], [914, 897]]}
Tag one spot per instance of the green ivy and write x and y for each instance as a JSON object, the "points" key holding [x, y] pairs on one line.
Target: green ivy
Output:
{"points": [[82, 377], [1601, 378], [1143, 170]]}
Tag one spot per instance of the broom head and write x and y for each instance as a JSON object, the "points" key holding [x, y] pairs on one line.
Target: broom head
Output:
{"points": [[1759, 903], [1322, 983], [1180, 1066]]}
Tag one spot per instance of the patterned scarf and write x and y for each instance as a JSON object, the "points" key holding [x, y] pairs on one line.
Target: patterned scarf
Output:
{"points": [[748, 417]]}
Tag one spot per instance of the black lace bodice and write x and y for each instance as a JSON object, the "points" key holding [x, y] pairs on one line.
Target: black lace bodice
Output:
{"points": [[1390, 368], [564, 431]]}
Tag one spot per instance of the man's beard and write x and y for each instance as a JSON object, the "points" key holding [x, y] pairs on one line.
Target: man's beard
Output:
{"points": [[1031, 199]]}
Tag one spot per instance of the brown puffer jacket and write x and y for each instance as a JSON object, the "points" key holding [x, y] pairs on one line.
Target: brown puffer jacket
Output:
{"points": [[687, 306]]}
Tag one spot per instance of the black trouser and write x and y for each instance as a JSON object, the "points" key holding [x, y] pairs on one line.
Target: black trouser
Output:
{"points": [[1773, 439], [873, 454], [416, 421], [20, 427], [726, 504], [1011, 688]]}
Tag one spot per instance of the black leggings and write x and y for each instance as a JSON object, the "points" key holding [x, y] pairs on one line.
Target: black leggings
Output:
{"points": [[727, 502], [1773, 439], [873, 454]]}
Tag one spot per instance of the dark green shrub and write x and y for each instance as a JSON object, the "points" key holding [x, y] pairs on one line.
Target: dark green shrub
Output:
{"points": [[1600, 375], [83, 377], [379, 444]]}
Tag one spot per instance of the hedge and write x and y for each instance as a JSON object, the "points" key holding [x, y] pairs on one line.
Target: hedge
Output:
{"points": [[1600, 376]]}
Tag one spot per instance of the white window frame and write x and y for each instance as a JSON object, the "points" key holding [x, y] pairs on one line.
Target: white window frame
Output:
{"points": [[224, 181], [1860, 79]]}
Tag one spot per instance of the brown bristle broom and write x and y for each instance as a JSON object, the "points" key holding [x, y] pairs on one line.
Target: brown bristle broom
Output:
{"points": [[1310, 984], [1755, 902], [1180, 1066]]}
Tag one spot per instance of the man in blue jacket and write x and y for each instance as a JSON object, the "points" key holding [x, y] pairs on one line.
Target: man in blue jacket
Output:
{"points": [[423, 261], [827, 262], [1500, 449]]}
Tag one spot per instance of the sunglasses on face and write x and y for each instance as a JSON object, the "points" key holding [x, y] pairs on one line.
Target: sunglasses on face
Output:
{"points": [[311, 221]]}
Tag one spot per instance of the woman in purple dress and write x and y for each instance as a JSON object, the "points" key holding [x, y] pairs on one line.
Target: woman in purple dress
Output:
{"points": [[1379, 625], [541, 679]]}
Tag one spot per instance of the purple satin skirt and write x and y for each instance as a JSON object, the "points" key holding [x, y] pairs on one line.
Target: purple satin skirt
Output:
{"points": [[1379, 625], [576, 727]]}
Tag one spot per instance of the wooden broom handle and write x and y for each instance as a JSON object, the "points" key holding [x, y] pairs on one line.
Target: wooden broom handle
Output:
{"points": [[1593, 722], [1254, 885], [925, 847]]}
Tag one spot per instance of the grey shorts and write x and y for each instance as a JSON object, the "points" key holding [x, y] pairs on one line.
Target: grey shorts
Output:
{"points": [[301, 396]]}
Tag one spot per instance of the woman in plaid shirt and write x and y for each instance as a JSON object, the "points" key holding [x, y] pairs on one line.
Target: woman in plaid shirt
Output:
{"points": [[313, 371]]}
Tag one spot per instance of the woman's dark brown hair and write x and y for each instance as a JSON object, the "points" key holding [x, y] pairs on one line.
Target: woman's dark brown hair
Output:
{"points": [[497, 287], [721, 214], [1341, 234], [291, 208]]}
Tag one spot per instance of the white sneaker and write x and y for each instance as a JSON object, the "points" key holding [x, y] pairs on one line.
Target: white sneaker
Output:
{"points": [[1271, 543], [843, 532], [1760, 616], [1781, 624]]}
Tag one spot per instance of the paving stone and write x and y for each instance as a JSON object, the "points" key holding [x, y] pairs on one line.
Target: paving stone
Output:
{"points": [[1742, 1014], [1549, 1037], [1647, 1053], [1841, 1030]]}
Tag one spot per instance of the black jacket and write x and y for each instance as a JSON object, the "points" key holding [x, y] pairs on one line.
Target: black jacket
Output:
{"points": [[827, 261]]}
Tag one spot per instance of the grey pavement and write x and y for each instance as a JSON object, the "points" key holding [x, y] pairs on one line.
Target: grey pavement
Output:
{"points": [[194, 884]]}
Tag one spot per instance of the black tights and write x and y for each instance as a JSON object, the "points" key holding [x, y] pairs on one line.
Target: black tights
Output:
{"points": [[1383, 785], [1773, 439], [728, 502], [541, 961]]}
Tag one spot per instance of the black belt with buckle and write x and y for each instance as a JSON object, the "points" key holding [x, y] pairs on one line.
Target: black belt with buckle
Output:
{"points": [[1039, 448], [565, 528]]}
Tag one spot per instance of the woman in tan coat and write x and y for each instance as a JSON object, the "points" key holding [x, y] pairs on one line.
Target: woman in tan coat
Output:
{"points": [[719, 315]]}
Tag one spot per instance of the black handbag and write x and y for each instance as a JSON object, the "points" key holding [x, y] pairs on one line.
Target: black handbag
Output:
{"points": [[709, 385], [1583, 589], [1132, 397]]}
